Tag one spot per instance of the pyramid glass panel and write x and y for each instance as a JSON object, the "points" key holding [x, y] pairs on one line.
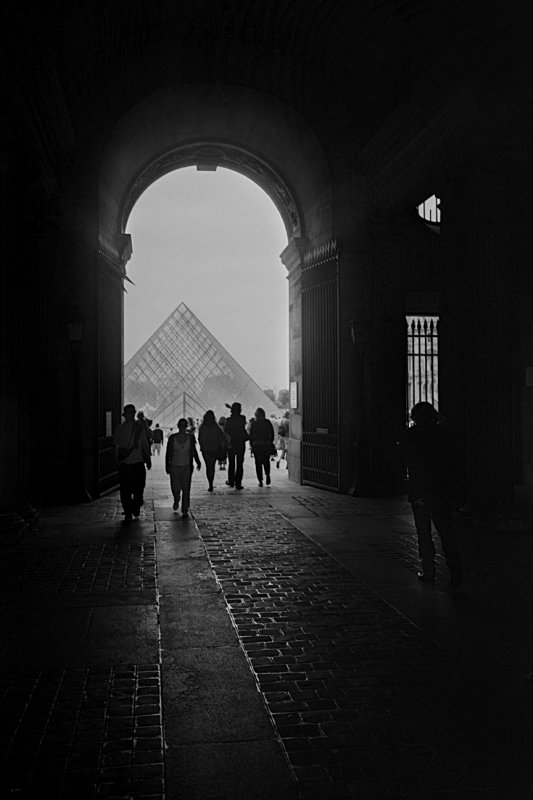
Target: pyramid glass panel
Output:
{"points": [[182, 370]]}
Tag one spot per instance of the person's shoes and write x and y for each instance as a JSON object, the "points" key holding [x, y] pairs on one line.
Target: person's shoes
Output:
{"points": [[268, 480], [210, 489], [456, 580], [240, 486], [426, 577], [260, 483], [185, 514], [127, 518], [229, 484]]}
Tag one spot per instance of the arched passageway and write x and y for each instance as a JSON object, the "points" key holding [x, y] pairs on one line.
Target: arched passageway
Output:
{"points": [[209, 127]]}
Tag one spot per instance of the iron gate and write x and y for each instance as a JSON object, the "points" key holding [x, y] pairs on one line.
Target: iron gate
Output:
{"points": [[422, 361], [320, 368]]}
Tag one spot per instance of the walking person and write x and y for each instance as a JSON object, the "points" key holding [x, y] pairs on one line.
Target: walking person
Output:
{"points": [[133, 455], [432, 486], [235, 430], [157, 440], [180, 454], [283, 434], [224, 454], [212, 441], [262, 444]]}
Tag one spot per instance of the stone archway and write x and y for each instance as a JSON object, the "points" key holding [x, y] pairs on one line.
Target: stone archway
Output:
{"points": [[205, 126]]}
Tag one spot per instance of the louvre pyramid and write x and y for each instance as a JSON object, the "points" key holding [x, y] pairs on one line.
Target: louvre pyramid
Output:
{"points": [[182, 371]]}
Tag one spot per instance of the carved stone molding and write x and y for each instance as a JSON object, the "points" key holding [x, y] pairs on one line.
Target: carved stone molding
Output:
{"points": [[213, 155]]}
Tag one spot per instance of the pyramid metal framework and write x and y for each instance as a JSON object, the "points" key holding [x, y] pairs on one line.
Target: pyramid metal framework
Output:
{"points": [[182, 371]]}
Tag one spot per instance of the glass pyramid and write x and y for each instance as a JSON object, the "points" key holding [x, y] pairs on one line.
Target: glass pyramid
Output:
{"points": [[182, 370]]}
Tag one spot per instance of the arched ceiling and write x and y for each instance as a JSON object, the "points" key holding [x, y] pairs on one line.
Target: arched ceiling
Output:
{"points": [[362, 54]]}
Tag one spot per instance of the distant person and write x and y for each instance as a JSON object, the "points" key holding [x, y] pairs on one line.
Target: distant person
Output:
{"points": [[133, 453], [191, 427], [283, 435], [212, 441], [224, 455], [180, 453], [432, 488], [262, 444], [147, 426], [157, 439], [235, 430]]}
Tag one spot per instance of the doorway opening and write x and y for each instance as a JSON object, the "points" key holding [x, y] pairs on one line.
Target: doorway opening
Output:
{"points": [[206, 312]]}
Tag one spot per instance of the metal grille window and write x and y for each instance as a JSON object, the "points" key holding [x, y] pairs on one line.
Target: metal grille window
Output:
{"points": [[429, 210], [422, 361]]}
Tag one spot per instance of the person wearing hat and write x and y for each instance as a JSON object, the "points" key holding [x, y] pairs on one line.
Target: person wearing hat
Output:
{"points": [[133, 453], [235, 430], [180, 453]]}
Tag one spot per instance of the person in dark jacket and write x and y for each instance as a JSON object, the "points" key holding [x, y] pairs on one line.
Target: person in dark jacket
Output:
{"points": [[180, 453], [133, 453], [262, 444], [235, 430], [432, 486], [212, 444], [157, 440]]}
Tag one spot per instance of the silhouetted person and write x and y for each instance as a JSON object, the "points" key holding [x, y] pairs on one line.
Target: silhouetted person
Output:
{"points": [[235, 429], [133, 453], [212, 441], [224, 455], [180, 453], [283, 435], [147, 426], [157, 439], [432, 487], [262, 444]]}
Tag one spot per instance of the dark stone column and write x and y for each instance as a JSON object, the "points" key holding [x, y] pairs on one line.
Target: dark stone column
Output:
{"points": [[17, 515], [478, 344]]}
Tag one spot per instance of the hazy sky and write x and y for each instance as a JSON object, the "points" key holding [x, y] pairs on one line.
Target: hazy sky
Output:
{"points": [[212, 240]]}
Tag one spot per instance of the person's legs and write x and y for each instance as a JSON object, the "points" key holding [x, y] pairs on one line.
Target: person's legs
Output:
{"points": [[442, 518], [231, 467], [185, 479], [175, 486], [210, 461], [138, 481], [125, 489], [258, 468], [426, 548], [266, 466], [239, 467]]}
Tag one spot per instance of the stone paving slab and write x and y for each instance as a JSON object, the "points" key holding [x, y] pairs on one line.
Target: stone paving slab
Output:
{"points": [[236, 770]]}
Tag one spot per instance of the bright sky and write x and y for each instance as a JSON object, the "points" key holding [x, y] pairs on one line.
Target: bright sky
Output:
{"points": [[212, 240]]}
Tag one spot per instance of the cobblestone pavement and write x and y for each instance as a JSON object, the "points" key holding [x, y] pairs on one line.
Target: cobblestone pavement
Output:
{"points": [[364, 702], [365, 705]]}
